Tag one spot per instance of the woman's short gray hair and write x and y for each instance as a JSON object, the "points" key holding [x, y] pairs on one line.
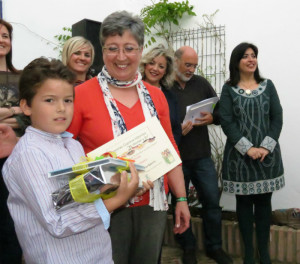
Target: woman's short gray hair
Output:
{"points": [[74, 44], [118, 22], [168, 79]]}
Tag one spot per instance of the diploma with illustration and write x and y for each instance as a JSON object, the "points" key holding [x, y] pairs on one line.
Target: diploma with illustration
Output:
{"points": [[146, 144]]}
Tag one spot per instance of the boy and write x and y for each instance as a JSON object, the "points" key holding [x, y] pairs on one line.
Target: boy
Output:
{"points": [[77, 235]]}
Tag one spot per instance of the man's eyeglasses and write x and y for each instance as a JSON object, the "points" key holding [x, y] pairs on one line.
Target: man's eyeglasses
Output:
{"points": [[128, 50], [189, 65]]}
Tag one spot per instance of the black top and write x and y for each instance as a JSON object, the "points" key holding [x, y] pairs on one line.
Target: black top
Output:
{"points": [[174, 113], [196, 143]]}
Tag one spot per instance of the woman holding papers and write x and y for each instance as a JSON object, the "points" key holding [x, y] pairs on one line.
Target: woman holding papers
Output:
{"points": [[78, 55], [106, 107], [157, 68], [251, 118]]}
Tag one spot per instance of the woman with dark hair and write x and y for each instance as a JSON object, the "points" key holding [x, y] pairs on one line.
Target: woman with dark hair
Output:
{"points": [[10, 251], [118, 100], [251, 118]]}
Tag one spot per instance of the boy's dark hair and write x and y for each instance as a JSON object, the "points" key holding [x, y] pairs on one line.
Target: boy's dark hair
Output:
{"points": [[37, 72]]}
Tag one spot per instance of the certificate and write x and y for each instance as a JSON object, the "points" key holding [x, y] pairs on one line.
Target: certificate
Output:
{"points": [[194, 111], [146, 144]]}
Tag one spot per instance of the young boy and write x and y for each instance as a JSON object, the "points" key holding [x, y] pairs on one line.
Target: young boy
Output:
{"points": [[76, 235]]}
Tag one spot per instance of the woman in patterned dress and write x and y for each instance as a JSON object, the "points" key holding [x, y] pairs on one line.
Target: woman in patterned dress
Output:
{"points": [[251, 118]]}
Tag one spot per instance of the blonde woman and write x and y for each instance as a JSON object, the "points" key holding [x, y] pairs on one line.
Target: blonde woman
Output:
{"points": [[78, 55]]}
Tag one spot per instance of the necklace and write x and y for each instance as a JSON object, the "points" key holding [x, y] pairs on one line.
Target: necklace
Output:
{"points": [[248, 91]]}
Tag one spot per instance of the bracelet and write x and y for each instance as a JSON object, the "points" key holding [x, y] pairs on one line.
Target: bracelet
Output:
{"points": [[181, 199]]}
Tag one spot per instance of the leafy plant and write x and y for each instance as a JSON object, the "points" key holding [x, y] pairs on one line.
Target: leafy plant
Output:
{"points": [[62, 38], [161, 18]]}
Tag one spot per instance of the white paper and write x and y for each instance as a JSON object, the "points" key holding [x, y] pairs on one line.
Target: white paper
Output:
{"points": [[146, 144]]}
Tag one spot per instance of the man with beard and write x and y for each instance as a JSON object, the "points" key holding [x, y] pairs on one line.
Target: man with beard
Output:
{"points": [[195, 151]]}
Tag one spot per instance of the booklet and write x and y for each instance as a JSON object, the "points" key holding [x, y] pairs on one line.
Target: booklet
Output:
{"points": [[194, 111], [148, 145], [107, 166]]}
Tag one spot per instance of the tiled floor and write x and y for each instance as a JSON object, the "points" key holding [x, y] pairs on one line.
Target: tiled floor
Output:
{"points": [[171, 255]]}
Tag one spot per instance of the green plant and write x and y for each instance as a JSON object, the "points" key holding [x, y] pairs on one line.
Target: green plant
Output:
{"points": [[62, 38], [162, 18]]}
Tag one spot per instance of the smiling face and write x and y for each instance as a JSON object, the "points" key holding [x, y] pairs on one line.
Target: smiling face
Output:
{"points": [[248, 62], [81, 60], [155, 70], [121, 66], [5, 41], [51, 108]]}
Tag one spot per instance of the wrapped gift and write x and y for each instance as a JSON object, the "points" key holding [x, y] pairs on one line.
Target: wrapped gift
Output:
{"points": [[88, 181]]}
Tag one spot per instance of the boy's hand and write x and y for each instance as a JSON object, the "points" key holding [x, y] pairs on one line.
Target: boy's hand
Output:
{"points": [[126, 190], [8, 140]]}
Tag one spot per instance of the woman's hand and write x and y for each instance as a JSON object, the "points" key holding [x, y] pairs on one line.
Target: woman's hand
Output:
{"points": [[254, 153], [7, 116], [257, 153], [186, 127], [146, 187], [182, 217], [8, 140], [264, 152], [10, 121]]}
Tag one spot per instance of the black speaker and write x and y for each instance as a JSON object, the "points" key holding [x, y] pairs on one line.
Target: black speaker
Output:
{"points": [[90, 29]]}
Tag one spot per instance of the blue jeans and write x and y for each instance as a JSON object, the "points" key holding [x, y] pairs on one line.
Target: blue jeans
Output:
{"points": [[202, 174]]}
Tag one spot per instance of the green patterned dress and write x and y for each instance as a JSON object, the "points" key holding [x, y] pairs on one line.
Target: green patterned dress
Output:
{"points": [[251, 118]]}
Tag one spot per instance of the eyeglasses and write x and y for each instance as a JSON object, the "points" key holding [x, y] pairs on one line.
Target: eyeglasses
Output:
{"points": [[189, 65], [128, 50]]}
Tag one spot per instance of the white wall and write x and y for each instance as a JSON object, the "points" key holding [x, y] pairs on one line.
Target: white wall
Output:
{"points": [[273, 25]]}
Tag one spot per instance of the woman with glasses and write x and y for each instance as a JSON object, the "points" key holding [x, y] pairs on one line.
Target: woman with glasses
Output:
{"points": [[78, 55], [111, 104]]}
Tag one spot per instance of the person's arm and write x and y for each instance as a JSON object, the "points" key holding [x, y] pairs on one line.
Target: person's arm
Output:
{"points": [[229, 126], [28, 183], [182, 213], [8, 140], [275, 116], [175, 176]]}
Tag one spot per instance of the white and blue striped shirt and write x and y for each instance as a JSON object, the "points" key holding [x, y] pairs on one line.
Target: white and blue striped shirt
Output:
{"points": [[75, 235]]}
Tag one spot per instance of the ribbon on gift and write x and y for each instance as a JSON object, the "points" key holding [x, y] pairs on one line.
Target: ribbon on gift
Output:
{"points": [[78, 187], [80, 193]]}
